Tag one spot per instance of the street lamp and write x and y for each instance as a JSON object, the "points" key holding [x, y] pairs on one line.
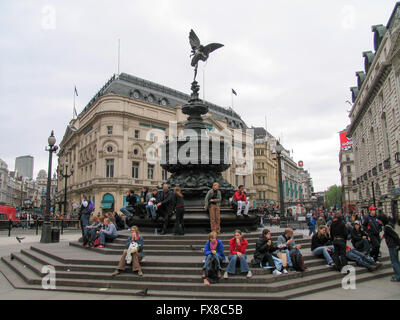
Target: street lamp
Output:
{"points": [[66, 176], [279, 150], [46, 229]]}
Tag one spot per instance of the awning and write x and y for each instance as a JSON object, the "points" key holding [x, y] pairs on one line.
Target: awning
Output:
{"points": [[106, 205]]}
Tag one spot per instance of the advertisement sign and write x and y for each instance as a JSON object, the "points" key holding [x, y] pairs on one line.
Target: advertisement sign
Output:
{"points": [[345, 143]]}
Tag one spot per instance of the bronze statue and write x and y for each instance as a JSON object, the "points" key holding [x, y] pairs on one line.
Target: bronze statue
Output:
{"points": [[200, 52]]}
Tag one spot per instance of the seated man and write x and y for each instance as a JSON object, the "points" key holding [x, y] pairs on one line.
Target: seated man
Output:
{"points": [[131, 199], [90, 232], [151, 205], [361, 259], [109, 232], [321, 245], [359, 238], [242, 201], [287, 244]]}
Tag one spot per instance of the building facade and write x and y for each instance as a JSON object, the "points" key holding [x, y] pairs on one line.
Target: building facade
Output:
{"points": [[375, 120], [24, 166], [112, 141]]}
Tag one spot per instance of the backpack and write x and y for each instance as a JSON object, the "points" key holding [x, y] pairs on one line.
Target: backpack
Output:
{"points": [[90, 207], [297, 260], [212, 267]]}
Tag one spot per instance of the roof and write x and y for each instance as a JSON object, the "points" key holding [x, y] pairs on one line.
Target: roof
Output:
{"points": [[136, 88]]}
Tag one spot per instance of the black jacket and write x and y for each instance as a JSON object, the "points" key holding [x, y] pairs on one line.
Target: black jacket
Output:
{"points": [[263, 248], [356, 236], [317, 241], [178, 201], [372, 226], [131, 199], [391, 237], [166, 199], [338, 229]]}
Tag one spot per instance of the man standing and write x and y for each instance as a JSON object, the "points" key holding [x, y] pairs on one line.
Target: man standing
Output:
{"points": [[373, 229], [165, 206], [213, 204], [242, 201]]}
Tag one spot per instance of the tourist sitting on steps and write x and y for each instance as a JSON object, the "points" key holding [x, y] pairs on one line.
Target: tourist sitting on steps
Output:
{"points": [[91, 232], [361, 259], [264, 254], [131, 199], [321, 245], [109, 232], [151, 205], [242, 202], [288, 245], [359, 238], [144, 197], [133, 254], [165, 206], [213, 249], [237, 246]]}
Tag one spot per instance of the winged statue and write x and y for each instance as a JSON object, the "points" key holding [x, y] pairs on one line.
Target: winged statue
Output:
{"points": [[200, 52]]}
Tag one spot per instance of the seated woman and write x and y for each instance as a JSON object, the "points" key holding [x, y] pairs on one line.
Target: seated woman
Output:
{"points": [[359, 238], [263, 254], [90, 232], [321, 245], [108, 232], [133, 253], [237, 246], [213, 249]]}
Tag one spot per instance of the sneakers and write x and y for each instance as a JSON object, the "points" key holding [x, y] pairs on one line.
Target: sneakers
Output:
{"points": [[100, 246], [226, 275], [284, 271], [394, 279], [115, 273], [249, 274], [276, 272], [140, 273]]}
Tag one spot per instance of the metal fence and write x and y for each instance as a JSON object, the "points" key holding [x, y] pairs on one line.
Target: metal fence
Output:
{"points": [[62, 224]]}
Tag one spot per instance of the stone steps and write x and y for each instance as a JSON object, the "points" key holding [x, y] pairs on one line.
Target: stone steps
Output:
{"points": [[168, 274]]}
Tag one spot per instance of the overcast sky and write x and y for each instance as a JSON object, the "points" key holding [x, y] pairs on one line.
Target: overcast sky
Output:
{"points": [[289, 61]]}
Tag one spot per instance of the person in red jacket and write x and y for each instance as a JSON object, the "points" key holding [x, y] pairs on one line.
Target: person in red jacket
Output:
{"points": [[242, 201], [237, 246]]}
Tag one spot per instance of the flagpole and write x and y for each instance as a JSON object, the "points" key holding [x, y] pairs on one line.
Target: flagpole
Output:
{"points": [[119, 53], [73, 110]]}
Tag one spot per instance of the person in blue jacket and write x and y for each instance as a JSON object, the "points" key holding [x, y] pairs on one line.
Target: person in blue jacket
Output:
{"points": [[213, 247], [109, 232], [311, 226]]}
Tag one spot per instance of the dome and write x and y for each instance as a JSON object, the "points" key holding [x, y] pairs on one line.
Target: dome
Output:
{"points": [[42, 174]]}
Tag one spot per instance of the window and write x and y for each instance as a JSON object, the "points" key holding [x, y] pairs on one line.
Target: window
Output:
{"points": [[150, 171], [109, 168], [263, 165], [264, 195], [135, 170], [348, 169], [109, 149], [137, 132], [259, 180], [263, 179], [109, 130], [164, 175], [259, 195], [244, 181], [135, 152], [347, 158], [236, 180]]}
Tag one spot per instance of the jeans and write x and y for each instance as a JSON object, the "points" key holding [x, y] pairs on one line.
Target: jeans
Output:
{"points": [[360, 258], [104, 236], [126, 210], [394, 259], [376, 245], [242, 204], [312, 231], [151, 210], [278, 264], [339, 253], [220, 260], [322, 250], [84, 222], [233, 258]]}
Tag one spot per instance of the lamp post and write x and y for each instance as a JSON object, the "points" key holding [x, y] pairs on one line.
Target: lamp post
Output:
{"points": [[46, 229], [279, 150], [66, 176]]}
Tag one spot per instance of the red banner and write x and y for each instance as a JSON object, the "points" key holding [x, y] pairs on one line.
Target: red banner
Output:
{"points": [[345, 143]]}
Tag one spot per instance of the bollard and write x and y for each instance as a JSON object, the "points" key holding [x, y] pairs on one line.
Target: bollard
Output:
{"points": [[9, 227]]}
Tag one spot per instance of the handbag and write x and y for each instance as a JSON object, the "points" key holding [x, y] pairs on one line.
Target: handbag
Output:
{"points": [[283, 257]]}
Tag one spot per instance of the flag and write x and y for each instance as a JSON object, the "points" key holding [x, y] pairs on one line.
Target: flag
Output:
{"points": [[234, 92], [76, 92]]}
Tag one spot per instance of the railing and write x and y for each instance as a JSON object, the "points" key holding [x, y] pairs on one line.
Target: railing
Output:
{"points": [[36, 224]]}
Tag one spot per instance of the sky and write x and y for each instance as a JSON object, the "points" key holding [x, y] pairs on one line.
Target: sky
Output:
{"points": [[290, 62]]}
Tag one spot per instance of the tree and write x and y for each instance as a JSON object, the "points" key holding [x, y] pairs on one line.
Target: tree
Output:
{"points": [[333, 197]]}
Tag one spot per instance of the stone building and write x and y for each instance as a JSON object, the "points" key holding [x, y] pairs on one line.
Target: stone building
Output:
{"points": [[375, 120], [113, 144], [265, 169]]}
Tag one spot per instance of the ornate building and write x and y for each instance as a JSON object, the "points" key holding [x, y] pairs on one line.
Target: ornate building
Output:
{"points": [[113, 144], [375, 120]]}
